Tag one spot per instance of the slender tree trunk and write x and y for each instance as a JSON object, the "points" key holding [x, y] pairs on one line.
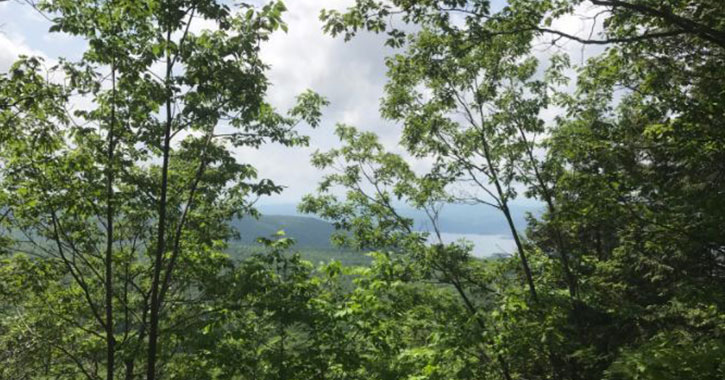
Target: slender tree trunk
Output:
{"points": [[161, 235], [129, 361], [519, 246], [503, 200], [129, 369], [549, 199], [569, 277], [110, 340], [176, 243]]}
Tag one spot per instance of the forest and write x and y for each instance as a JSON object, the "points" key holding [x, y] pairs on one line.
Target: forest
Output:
{"points": [[123, 195]]}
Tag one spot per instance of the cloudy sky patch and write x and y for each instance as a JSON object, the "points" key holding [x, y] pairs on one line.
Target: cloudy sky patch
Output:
{"points": [[351, 75]]}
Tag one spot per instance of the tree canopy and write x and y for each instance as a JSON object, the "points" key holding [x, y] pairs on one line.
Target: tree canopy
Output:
{"points": [[116, 217]]}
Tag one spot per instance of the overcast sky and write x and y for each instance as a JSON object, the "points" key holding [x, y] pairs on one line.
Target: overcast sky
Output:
{"points": [[351, 75]]}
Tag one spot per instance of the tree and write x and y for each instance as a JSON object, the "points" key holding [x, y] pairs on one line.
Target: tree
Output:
{"points": [[148, 141], [114, 216], [471, 103], [630, 169], [660, 21], [376, 182]]}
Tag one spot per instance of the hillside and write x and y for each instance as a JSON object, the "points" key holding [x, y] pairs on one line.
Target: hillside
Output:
{"points": [[308, 232], [312, 238], [482, 226], [454, 219]]}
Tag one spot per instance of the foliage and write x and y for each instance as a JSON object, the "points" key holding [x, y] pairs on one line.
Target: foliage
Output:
{"points": [[83, 190], [117, 219], [630, 171]]}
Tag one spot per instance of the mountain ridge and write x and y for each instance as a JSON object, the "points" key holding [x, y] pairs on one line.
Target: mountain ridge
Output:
{"points": [[311, 232]]}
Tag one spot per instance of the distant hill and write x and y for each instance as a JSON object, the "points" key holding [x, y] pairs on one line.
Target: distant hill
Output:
{"points": [[307, 231], [478, 219], [311, 233], [312, 238], [458, 219]]}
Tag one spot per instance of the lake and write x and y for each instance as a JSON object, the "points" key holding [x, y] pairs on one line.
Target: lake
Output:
{"points": [[484, 245]]}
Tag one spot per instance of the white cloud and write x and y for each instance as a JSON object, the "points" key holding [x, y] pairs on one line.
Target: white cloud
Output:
{"points": [[351, 75], [584, 22], [11, 47]]}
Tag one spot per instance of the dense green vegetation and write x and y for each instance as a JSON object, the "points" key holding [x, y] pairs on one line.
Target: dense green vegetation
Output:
{"points": [[346, 257], [118, 218]]}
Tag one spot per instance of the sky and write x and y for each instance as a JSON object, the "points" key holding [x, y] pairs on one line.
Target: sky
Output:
{"points": [[351, 75]]}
